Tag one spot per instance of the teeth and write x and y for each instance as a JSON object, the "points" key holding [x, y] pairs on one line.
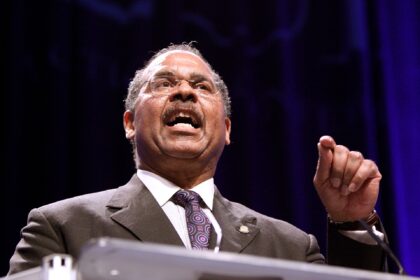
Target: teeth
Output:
{"points": [[183, 124], [183, 118], [182, 115]]}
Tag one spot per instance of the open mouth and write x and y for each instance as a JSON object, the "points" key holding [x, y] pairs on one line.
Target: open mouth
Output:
{"points": [[182, 117]]}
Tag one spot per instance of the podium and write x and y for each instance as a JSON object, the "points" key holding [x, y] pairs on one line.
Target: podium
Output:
{"points": [[107, 258]]}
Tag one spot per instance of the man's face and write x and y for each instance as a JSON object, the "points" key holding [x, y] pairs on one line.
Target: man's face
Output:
{"points": [[179, 113]]}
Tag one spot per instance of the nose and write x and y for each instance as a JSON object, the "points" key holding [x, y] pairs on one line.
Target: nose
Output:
{"points": [[184, 92]]}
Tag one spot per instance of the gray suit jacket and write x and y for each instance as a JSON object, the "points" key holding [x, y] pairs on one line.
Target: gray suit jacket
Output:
{"points": [[130, 212]]}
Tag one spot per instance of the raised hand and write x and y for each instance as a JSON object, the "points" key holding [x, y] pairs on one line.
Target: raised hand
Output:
{"points": [[346, 182]]}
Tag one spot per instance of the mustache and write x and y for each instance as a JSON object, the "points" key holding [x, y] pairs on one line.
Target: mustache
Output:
{"points": [[189, 109]]}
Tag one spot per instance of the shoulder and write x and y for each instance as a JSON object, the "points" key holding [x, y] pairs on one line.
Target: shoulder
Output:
{"points": [[92, 202], [72, 206]]}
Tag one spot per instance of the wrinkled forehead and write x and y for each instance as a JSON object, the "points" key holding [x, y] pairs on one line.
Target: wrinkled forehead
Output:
{"points": [[182, 63]]}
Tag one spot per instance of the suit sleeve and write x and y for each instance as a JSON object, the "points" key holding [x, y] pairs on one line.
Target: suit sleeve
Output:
{"points": [[344, 251], [313, 254], [38, 239]]}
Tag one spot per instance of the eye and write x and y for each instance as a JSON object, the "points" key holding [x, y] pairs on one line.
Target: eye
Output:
{"points": [[161, 84], [204, 87]]}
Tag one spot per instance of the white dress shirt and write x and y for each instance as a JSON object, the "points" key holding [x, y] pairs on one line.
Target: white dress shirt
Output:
{"points": [[163, 190]]}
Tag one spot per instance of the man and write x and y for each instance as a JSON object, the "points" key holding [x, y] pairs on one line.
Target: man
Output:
{"points": [[177, 119]]}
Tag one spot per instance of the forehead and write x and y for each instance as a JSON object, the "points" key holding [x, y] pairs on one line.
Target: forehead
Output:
{"points": [[181, 63]]}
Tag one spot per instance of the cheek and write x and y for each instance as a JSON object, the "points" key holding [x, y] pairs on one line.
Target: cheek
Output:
{"points": [[148, 111], [216, 112], [216, 122]]}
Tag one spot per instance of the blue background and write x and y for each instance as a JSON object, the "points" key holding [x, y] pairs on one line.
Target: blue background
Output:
{"points": [[296, 70]]}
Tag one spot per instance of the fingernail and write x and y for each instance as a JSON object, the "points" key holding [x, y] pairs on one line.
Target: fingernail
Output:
{"points": [[336, 182], [352, 187]]}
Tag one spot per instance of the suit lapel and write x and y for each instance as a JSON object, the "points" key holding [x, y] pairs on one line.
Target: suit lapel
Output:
{"points": [[238, 230], [140, 213]]}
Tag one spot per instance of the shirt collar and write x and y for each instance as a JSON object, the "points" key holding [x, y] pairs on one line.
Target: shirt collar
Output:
{"points": [[163, 190]]}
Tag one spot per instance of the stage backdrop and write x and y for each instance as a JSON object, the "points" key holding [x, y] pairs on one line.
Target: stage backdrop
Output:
{"points": [[296, 70]]}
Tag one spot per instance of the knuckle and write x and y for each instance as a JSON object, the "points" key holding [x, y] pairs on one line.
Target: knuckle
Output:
{"points": [[356, 155], [370, 164], [341, 149]]}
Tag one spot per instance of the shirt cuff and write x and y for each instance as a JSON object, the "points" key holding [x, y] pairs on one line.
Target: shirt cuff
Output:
{"points": [[363, 236]]}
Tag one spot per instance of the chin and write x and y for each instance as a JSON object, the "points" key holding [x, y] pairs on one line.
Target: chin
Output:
{"points": [[183, 151], [183, 154]]}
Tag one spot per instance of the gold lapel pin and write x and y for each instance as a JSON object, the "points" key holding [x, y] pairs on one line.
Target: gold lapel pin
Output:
{"points": [[243, 229]]}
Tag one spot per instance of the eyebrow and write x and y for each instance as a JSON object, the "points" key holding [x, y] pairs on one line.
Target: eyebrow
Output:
{"points": [[194, 76], [164, 73], [200, 77]]}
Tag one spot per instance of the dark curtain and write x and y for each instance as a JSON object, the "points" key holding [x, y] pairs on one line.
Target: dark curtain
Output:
{"points": [[296, 70]]}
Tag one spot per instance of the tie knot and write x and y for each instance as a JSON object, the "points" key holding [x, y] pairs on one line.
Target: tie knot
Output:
{"points": [[183, 197]]}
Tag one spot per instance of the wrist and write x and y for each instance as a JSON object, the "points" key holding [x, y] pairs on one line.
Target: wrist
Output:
{"points": [[371, 220]]}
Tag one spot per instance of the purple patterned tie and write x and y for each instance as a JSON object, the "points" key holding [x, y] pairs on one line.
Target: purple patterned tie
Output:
{"points": [[198, 224]]}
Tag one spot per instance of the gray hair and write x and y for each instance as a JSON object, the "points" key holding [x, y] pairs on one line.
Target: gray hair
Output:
{"points": [[139, 78]]}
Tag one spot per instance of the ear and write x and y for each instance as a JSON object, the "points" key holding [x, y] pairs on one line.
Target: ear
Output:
{"points": [[228, 124], [130, 130]]}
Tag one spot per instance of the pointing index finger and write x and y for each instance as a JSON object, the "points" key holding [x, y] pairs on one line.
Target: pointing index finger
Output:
{"points": [[326, 147], [327, 142]]}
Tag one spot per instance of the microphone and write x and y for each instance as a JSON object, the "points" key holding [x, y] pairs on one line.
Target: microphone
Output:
{"points": [[384, 246]]}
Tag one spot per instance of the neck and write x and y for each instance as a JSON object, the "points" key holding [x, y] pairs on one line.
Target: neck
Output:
{"points": [[185, 176]]}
